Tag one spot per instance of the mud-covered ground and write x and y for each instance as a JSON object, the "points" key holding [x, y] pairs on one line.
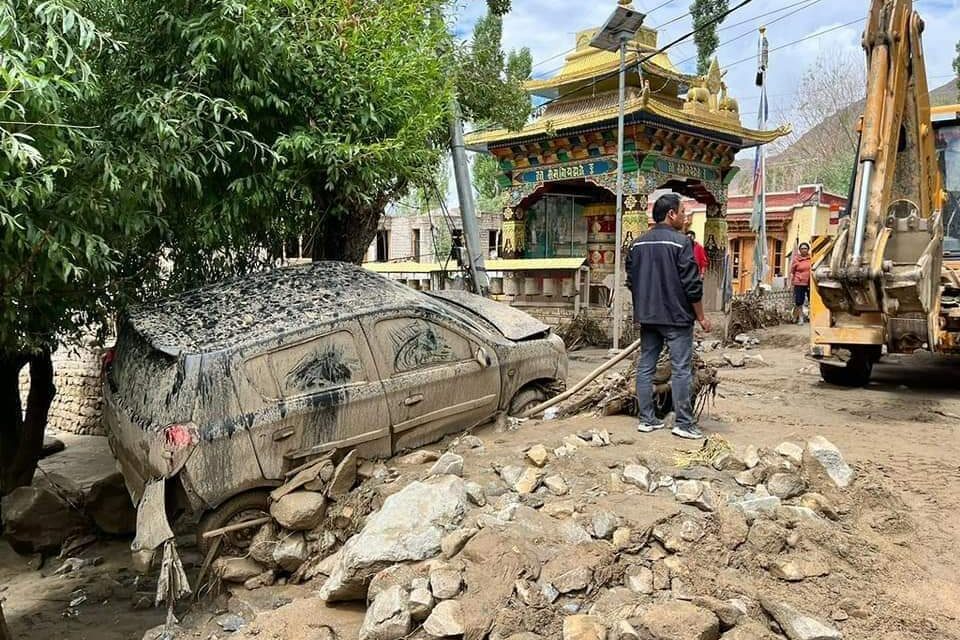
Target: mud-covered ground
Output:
{"points": [[897, 544]]}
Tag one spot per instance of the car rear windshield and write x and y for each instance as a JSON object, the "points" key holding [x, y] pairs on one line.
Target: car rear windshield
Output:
{"points": [[150, 385]]}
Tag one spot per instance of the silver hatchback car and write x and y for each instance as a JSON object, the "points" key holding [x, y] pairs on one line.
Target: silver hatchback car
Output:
{"points": [[218, 393]]}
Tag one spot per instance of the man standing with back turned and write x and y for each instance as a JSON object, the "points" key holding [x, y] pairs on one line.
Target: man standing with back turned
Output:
{"points": [[667, 293]]}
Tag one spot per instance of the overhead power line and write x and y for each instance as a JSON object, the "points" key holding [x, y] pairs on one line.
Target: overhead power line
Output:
{"points": [[796, 42]]}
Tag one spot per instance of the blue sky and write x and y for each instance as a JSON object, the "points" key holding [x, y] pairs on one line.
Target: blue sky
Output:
{"points": [[547, 27]]}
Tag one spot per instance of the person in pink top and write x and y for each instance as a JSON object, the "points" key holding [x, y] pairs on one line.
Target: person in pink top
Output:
{"points": [[800, 279]]}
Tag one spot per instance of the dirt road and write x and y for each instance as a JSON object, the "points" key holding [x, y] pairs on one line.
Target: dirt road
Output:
{"points": [[902, 434]]}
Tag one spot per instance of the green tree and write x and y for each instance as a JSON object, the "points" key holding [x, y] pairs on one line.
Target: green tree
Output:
{"points": [[707, 41], [956, 69], [486, 169]]}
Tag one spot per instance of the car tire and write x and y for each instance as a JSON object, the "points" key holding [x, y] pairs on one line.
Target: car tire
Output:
{"points": [[245, 506], [526, 398]]}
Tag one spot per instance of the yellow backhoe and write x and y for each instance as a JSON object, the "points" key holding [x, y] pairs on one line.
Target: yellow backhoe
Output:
{"points": [[890, 281]]}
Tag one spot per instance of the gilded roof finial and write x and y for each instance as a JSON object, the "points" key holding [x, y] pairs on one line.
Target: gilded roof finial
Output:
{"points": [[624, 3]]}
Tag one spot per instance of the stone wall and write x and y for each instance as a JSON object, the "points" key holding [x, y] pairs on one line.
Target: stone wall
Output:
{"points": [[78, 404]]}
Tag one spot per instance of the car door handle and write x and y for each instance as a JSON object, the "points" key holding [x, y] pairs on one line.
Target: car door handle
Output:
{"points": [[412, 400], [283, 434]]}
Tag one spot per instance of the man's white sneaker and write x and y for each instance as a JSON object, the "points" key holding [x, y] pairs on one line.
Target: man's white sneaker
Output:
{"points": [[643, 427], [690, 433]]}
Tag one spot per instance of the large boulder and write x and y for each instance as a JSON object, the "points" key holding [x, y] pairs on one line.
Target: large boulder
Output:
{"points": [[409, 527], [823, 455], [38, 520], [109, 506], [300, 510]]}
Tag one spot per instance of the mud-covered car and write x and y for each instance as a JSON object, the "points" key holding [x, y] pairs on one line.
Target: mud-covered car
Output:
{"points": [[213, 396]]}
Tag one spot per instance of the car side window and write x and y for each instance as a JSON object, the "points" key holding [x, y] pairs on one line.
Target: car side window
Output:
{"points": [[317, 365], [415, 343]]}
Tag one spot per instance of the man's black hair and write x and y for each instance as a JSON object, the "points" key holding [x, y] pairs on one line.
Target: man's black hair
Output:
{"points": [[663, 206], [692, 234]]}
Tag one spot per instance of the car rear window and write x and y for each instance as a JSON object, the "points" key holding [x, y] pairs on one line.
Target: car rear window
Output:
{"points": [[150, 385]]}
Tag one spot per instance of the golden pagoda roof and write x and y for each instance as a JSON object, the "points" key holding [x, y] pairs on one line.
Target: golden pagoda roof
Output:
{"points": [[588, 63], [606, 107]]}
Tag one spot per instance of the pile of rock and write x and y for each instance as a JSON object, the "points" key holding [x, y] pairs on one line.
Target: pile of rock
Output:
{"points": [[520, 560], [314, 512]]}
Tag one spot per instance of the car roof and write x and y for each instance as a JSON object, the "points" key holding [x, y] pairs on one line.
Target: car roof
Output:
{"points": [[261, 307]]}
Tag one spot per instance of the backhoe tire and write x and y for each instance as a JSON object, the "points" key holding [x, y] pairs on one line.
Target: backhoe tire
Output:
{"points": [[855, 374], [245, 506]]}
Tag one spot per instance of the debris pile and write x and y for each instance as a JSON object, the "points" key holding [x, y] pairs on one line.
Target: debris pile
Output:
{"points": [[615, 392], [717, 543], [582, 331], [751, 311]]}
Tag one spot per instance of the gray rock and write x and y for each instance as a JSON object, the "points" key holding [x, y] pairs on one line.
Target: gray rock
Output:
{"points": [[528, 593], [453, 542], [576, 579], [108, 505], [798, 625], [825, 454], [797, 568], [231, 622], [695, 493], [680, 621], [445, 582], [263, 543], [449, 463], [791, 451], [290, 552], [729, 461], [691, 531], [571, 608], [529, 480], [525, 635], [344, 476], [236, 570], [471, 441], [639, 476], [749, 631], [794, 514], [735, 360], [750, 456], [639, 579], [786, 485], [821, 504], [476, 494], [37, 519], [550, 593], [749, 478], [604, 524], [623, 630], [409, 527], [557, 485], [729, 614], [421, 604], [404, 575], [754, 505], [300, 510], [445, 621], [389, 617], [510, 474]]}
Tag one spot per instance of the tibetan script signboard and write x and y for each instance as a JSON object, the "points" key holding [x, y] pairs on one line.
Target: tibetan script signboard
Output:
{"points": [[680, 168], [566, 172]]}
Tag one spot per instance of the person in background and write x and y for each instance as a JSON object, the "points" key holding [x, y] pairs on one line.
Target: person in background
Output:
{"points": [[800, 280], [699, 253], [667, 292]]}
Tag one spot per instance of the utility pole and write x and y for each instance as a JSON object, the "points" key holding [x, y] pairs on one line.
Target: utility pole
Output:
{"points": [[468, 211]]}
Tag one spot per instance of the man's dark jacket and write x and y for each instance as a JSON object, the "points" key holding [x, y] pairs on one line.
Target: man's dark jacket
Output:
{"points": [[664, 279]]}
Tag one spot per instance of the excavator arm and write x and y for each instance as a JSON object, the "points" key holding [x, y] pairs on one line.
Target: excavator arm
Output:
{"points": [[879, 283]]}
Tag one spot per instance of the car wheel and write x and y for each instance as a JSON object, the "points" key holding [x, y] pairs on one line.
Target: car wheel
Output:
{"points": [[246, 506], [526, 399]]}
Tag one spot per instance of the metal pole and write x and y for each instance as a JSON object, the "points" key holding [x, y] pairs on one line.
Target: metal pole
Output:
{"points": [[468, 212], [861, 221], [617, 306]]}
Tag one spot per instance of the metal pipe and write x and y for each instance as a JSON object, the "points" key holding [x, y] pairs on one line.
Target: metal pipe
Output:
{"points": [[617, 307], [861, 222]]}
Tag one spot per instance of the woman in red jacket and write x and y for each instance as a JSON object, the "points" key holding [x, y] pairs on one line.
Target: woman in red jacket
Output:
{"points": [[800, 279]]}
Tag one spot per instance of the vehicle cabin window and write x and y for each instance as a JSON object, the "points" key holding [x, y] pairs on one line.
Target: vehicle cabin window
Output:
{"points": [[415, 343], [260, 376], [320, 364]]}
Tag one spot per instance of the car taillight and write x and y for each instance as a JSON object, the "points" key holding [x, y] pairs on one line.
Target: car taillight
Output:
{"points": [[107, 360], [179, 436]]}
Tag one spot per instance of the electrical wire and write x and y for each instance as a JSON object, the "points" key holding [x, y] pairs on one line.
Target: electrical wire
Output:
{"points": [[796, 42]]}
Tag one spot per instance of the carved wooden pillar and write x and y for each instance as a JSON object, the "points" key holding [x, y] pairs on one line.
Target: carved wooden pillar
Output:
{"points": [[715, 242]]}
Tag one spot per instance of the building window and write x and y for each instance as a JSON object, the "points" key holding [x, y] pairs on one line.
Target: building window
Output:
{"points": [[383, 245], [777, 258], [735, 254], [493, 246], [556, 228], [415, 245]]}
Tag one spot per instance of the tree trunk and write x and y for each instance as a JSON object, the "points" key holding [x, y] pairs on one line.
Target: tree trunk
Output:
{"points": [[347, 240], [21, 437]]}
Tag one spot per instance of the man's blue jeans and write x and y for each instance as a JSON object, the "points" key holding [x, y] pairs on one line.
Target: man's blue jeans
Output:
{"points": [[679, 341]]}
